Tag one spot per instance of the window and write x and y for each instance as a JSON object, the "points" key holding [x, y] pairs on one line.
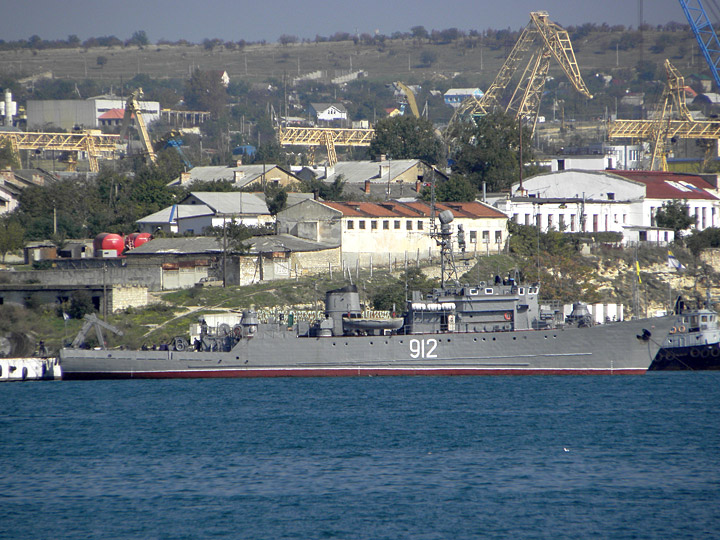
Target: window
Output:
{"points": [[515, 218], [473, 237], [498, 237], [420, 225], [561, 222], [397, 224], [486, 237], [373, 224], [361, 224], [386, 225], [550, 221], [350, 224], [408, 225], [572, 222]]}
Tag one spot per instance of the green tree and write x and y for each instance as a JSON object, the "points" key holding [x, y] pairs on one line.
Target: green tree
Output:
{"points": [[699, 240], [324, 190], [8, 158], [276, 198], [12, 235], [456, 189], [392, 296], [488, 151], [428, 58], [675, 215], [80, 304], [406, 137], [205, 92], [139, 38]]}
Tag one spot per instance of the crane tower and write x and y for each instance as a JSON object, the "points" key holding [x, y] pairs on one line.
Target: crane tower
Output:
{"points": [[540, 41]]}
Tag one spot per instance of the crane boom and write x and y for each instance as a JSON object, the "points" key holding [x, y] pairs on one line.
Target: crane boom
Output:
{"points": [[410, 97], [132, 107], [704, 34]]}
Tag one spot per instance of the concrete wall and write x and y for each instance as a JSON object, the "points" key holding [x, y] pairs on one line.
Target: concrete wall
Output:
{"points": [[125, 297], [148, 276]]}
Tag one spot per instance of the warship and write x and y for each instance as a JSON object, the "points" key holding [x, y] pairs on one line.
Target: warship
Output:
{"points": [[492, 328], [693, 343]]}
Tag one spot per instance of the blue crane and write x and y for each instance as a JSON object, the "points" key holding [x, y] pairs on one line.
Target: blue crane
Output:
{"points": [[704, 33], [176, 143]]}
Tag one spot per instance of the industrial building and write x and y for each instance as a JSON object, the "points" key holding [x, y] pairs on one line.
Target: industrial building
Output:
{"points": [[73, 114]]}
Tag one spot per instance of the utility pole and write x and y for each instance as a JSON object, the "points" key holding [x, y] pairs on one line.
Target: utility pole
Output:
{"points": [[224, 253]]}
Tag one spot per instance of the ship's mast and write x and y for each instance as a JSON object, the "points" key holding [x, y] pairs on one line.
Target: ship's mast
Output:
{"points": [[443, 238]]}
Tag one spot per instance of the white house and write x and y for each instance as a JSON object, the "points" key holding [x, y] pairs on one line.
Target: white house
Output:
{"points": [[329, 112], [203, 209]]}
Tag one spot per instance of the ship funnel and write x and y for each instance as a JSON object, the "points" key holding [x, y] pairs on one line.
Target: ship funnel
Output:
{"points": [[341, 303]]}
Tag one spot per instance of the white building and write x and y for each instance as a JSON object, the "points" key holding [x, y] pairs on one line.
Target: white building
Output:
{"points": [[202, 209], [616, 201], [393, 230], [455, 96]]}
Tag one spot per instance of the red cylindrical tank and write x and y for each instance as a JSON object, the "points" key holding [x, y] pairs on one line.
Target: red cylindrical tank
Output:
{"points": [[105, 243], [136, 239], [142, 238]]}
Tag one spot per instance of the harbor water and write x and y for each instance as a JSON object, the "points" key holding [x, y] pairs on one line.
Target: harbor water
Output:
{"points": [[377, 458]]}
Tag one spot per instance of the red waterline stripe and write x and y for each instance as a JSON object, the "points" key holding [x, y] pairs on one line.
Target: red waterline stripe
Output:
{"points": [[342, 372]]}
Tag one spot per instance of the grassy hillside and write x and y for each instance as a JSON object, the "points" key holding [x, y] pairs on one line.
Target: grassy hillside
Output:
{"points": [[472, 60]]}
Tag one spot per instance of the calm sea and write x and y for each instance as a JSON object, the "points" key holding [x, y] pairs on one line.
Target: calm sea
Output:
{"points": [[385, 458]]}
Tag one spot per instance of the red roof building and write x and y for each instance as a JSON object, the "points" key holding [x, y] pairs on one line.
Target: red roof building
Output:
{"points": [[395, 229]]}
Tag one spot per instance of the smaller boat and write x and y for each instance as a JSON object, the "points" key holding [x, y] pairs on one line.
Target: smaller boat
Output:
{"points": [[693, 343]]}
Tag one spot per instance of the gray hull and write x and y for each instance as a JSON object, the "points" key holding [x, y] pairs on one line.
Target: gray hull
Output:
{"points": [[275, 352]]}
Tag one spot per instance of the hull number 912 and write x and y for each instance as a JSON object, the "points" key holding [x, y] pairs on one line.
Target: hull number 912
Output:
{"points": [[423, 348]]}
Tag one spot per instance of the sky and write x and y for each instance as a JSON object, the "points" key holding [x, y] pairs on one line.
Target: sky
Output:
{"points": [[257, 20]]}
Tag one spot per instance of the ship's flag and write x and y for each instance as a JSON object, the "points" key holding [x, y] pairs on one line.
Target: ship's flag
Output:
{"points": [[637, 269], [673, 263]]}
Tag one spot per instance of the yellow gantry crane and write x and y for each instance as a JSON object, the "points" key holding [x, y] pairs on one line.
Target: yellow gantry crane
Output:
{"points": [[327, 137], [132, 109], [671, 120], [540, 41], [94, 143]]}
